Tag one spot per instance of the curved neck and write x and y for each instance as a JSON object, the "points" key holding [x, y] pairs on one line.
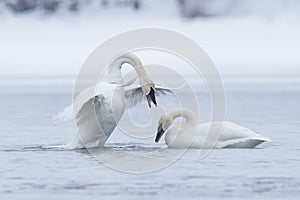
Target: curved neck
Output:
{"points": [[115, 69], [188, 115]]}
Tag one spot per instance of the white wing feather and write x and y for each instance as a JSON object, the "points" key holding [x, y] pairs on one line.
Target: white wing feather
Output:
{"points": [[98, 92], [136, 95]]}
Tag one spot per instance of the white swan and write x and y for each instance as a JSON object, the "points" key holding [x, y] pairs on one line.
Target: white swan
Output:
{"points": [[191, 134], [98, 115]]}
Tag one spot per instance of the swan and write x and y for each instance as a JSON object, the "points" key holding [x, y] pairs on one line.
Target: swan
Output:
{"points": [[98, 115], [191, 134]]}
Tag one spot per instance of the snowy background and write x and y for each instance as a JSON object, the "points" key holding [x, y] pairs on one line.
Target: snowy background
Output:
{"points": [[52, 38]]}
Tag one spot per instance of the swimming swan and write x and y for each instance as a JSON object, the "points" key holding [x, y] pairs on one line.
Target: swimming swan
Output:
{"points": [[97, 115], [191, 134]]}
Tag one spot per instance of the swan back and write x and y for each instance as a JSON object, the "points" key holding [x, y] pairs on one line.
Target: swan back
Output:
{"points": [[231, 136]]}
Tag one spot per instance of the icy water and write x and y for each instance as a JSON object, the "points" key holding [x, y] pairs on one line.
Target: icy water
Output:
{"points": [[30, 169]]}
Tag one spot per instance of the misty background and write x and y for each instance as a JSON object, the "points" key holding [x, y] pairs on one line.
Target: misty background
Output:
{"points": [[52, 38]]}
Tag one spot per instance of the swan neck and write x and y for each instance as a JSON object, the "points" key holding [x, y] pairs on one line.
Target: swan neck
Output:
{"points": [[135, 62], [138, 66], [188, 115]]}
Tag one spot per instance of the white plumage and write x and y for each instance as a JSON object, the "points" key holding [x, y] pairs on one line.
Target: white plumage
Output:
{"points": [[194, 135], [97, 110]]}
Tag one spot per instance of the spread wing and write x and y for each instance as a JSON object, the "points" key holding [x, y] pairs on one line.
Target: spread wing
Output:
{"points": [[136, 95], [68, 112]]}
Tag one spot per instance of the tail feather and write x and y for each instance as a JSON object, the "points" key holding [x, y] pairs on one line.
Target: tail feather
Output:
{"points": [[244, 142], [65, 115]]}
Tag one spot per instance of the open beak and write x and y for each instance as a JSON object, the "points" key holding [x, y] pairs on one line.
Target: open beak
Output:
{"points": [[160, 132], [151, 97]]}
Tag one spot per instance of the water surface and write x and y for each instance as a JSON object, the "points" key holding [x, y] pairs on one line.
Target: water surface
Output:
{"points": [[30, 169]]}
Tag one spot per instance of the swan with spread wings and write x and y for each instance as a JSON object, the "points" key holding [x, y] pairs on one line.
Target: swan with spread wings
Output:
{"points": [[98, 114]]}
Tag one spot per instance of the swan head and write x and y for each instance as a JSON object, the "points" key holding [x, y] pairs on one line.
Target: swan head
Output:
{"points": [[163, 124], [149, 91]]}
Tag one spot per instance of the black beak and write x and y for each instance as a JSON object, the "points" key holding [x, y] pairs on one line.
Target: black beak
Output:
{"points": [[151, 97], [160, 132]]}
